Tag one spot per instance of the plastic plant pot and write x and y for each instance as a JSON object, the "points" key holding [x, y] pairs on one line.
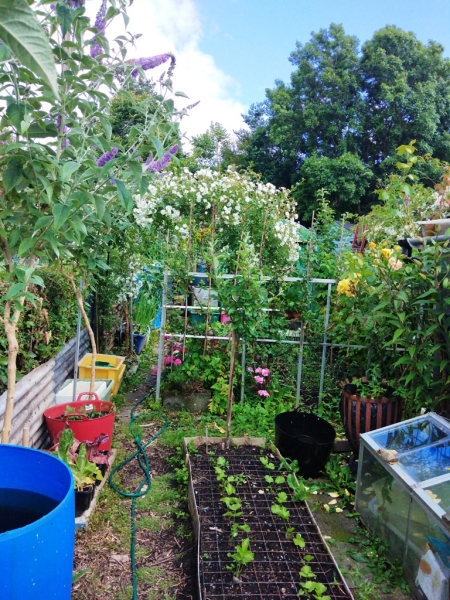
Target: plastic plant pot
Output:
{"points": [[306, 438], [84, 429]]}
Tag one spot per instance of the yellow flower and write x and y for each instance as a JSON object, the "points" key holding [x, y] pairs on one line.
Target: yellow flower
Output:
{"points": [[347, 287], [387, 253], [395, 264], [397, 248], [372, 245]]}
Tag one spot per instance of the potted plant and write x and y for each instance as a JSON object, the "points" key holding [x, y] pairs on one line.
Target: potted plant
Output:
{"points": [[368, 403], [87, 419], [146, 306], [85, 472]]}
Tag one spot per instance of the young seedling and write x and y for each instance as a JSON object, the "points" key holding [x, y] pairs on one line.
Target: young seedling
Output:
{"points": [[229, 489], [221, 462], [233, 505], [281, 511], [282, 497], [266, 463], [269, 479], [316, 589], [298, 487], [307, 572], [235, 529], [242, 556], [279, 480], [299, 540]]}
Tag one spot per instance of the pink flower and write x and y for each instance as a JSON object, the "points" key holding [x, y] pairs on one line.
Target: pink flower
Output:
{"points": [[168, 360], [263, 393], [250, 369], [155, 371], [258, 370], [177, 362], [265, 372], [259, 379]]}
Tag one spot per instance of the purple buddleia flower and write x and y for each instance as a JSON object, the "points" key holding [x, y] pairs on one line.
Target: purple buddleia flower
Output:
{"points": [[58, 125], [107, 156], [100, 24], [174, 149], [159, 165], [148, 63], [64, 143], [76, 4], [149, 159]]}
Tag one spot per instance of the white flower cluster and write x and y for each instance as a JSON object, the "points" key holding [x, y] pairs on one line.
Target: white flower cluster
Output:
{"points": [[128, 282], [183, 203]]}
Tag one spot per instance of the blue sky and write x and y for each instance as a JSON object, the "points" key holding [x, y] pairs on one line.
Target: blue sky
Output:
{"points": [[229, 51], [251, 40]]}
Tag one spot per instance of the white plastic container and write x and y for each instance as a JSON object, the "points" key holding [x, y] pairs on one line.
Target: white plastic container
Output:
{"points": [[65, 394]]}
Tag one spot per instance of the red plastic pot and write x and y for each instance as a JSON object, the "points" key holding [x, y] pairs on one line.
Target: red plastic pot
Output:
{"points": [[86, 429]]}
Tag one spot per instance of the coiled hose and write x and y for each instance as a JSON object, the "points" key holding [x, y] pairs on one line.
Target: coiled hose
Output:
{"points": [[146, 483]]}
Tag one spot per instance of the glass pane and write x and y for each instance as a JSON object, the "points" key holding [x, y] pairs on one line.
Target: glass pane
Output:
{"points": [[410, 437], [427, 556], [427, 463], [440, 493]]}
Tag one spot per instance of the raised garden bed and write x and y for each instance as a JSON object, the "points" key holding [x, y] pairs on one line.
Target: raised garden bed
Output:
{"points": [[274, 571]]}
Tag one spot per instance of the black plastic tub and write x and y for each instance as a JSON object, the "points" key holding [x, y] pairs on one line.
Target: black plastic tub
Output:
{"points": [[306, 438]]}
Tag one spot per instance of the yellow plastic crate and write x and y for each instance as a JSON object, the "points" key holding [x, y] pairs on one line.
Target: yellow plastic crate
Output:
{"points": [[115, 371]]}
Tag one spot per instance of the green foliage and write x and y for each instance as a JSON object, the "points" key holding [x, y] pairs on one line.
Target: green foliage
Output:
{"points": [[22, 33], [45, 327], [346, 178], [242, 556], [401, 307], [84, 472], [338, 122]]}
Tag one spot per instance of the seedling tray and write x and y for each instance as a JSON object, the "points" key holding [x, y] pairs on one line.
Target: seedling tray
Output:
{"points": [[274, 574]]}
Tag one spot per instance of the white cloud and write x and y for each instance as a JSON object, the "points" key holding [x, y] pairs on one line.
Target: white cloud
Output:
{"points": [[174, 26]]}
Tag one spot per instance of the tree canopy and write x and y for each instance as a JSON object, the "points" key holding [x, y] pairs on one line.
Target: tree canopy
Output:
{"points": [[346, 109]]}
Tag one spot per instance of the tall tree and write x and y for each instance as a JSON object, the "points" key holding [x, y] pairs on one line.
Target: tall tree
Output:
{"points": [[406, 89], [345, 112]]}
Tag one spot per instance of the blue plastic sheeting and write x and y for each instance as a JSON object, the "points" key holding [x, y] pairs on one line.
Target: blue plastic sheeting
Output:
{"points": [[36, 559]]}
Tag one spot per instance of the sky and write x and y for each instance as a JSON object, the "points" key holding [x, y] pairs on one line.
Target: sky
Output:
{"points": [[229, 51]]}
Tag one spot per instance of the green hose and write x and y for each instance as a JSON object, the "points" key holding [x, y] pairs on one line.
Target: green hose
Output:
{"points": [[146, 480]]}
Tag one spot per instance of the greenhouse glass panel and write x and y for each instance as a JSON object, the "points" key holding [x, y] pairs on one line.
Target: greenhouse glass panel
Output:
{"points": [[403, 496]]}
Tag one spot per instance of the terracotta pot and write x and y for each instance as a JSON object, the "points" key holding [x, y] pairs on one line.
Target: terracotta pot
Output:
{"points": [[361, 415]]}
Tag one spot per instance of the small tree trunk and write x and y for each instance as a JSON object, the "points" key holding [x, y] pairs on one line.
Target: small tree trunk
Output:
{"points": [[89, 328], [13, 349], [234, 343]]}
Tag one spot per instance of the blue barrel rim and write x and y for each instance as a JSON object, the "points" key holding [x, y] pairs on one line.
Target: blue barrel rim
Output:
{"points": [[8, 535]]}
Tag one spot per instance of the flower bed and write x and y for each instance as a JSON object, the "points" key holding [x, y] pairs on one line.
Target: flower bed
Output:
{"points": [[285, 554]]}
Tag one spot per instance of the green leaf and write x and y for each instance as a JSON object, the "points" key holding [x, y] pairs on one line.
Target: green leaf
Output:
{"points": [[68, 170], [5, 53], [64, 18], [397, 334], [14, 290], [42, 222], [100, 207], [16, 113], [22, 33], [124, 195], [25, 245], [13, 174], [158, 146], [61, 213], [136, 169], [106, 127]]}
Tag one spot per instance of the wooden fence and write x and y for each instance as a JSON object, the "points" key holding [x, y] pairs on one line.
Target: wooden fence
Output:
{"points": [[35, 392]]}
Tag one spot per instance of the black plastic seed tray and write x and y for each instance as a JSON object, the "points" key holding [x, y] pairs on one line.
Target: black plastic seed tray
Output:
{"points": [[274, 573]]}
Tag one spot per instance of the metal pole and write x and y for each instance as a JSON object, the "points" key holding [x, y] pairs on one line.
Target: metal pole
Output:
{"points": [[243, 372], [300, 366], [131, 323], [77, 350], [324, 349], [161, 334]]}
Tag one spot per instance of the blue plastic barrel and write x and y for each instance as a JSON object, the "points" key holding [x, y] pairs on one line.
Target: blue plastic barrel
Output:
{"points": [[37, 525]]}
